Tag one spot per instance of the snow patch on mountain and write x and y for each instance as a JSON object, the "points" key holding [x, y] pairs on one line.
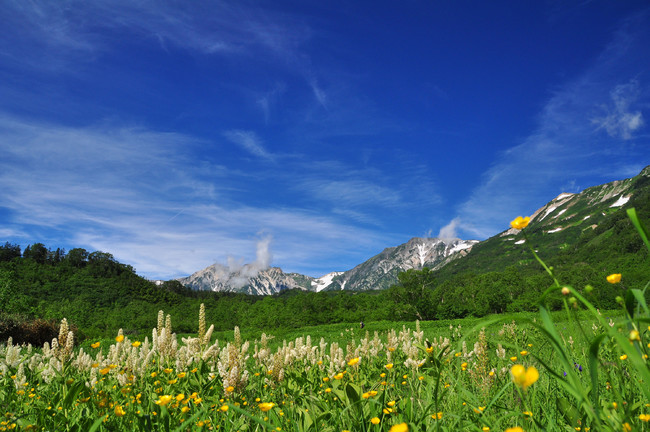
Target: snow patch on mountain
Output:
{"points": [[546, 213], [460, 246], [621, 201], [422, 254], [323, 282]]}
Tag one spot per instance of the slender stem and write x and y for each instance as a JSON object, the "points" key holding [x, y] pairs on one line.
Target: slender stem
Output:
{"points": [[548, 270]]}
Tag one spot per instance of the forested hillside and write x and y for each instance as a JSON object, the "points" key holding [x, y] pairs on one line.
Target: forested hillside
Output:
{"points": [[99, 295]]}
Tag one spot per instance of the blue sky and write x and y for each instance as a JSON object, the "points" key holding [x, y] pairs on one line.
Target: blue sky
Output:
{"points": [[178, 134]]}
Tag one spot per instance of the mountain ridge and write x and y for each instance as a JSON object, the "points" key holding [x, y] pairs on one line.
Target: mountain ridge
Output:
{"points": [[378, 272], [560, 222]]}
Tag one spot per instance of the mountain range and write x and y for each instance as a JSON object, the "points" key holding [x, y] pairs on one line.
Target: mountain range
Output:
{"points": [[558, 225]]}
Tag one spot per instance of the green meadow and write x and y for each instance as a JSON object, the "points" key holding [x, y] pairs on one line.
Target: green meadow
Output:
{"points": [[576, 369]]}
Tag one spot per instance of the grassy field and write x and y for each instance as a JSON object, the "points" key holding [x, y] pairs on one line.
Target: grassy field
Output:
{"points": [[576, 370], [534, 371]]}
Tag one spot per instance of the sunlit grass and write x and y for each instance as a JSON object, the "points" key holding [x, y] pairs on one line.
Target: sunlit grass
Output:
{"points": [[578, 371]]}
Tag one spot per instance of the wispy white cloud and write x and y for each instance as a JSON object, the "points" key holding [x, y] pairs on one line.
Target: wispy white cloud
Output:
{"points": [[354, 192], [319, 93], [620, 121], [66, 31], [267, 101], [139, 194], [249, 141]]}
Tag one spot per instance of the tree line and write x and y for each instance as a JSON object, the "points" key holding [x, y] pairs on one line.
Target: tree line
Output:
{"points": [[99, 295]]}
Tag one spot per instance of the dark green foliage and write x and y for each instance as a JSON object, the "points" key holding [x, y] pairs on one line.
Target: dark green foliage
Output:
{"points": [[27, 331], [413, 295], [9, 251]]}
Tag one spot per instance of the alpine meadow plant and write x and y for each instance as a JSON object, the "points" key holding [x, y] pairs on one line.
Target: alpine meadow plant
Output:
{"points": [[616, 394]]}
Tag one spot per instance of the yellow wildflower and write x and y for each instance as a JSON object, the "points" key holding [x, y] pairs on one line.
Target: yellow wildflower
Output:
{"points": [[136, 344], [524, 377], [644, 417], [164, 400], [266, 406], [119, 338], [105, 371], [623, 357], [374, 420], [94, 345], [224, 408], [520, 223], [230, 389], [180, 397], [353, 361], [515, 429], [634, 335], [402, 427], [627, 427], [185, 409], [389, 366], [614, 278]]}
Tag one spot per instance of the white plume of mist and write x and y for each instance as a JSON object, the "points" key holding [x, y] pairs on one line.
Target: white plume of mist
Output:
{"points": [[448, 232], [240, 273]]}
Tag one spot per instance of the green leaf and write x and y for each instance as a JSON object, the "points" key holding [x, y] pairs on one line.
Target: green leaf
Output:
{"points": [[307, 421], [97, 424], [569, 412], [629, 303], [638, 294], [643, 232], [353, 393], [74, 390], [593, 371]]}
